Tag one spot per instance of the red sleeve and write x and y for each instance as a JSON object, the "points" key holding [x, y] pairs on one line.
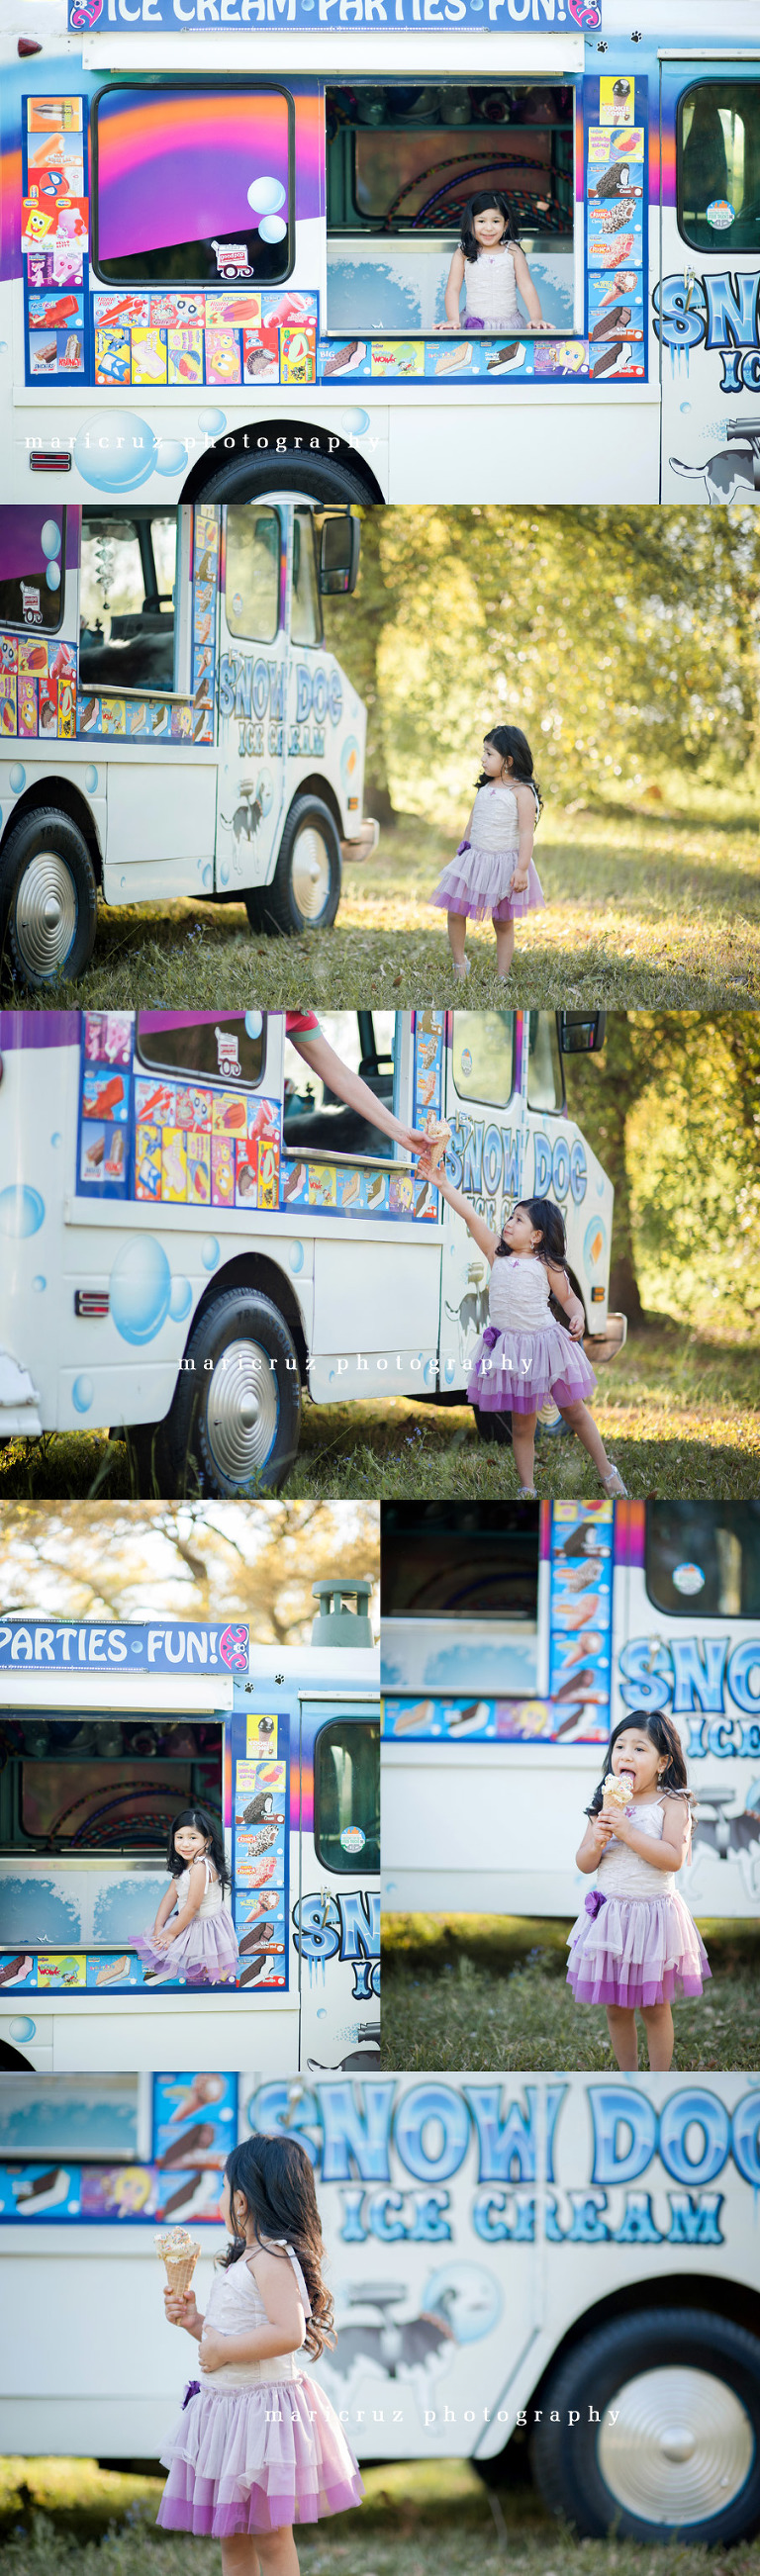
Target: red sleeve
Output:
{"points": [[301, 1024]]}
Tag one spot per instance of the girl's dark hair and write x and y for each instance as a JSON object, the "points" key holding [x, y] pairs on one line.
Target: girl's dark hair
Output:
{"points": [[479, 205], [543, 1214], [513, 746], [665, 1736], [202, 1823], [275, 2178]]}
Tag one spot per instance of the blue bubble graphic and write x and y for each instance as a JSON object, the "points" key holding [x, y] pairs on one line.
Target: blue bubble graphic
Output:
{"points": [[254, 1022], [141, 1287], [207, 876], [56, 1138], [171, 456], [53, 577], [83, 1392], [210, 1252], [50, 537], [266, 196], [272, 228], [91, 780], [180, 1300], [212, 421], [296, 1257], [22, 2027], [21, 1210], [39, 1283], [116, 451], [17, 777], [355, 422], [224, 873]]}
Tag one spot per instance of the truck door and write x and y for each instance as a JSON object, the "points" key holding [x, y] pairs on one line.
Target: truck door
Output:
{"points": [[377, 1273], [710, 273], [146, 699], [336, 1913], [485, 1160], [253, 686]]}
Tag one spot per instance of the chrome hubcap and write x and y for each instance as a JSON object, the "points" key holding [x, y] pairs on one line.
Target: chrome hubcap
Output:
{"points": [[681, 2449], [311, 872], [242, 1412], [46, 914]]}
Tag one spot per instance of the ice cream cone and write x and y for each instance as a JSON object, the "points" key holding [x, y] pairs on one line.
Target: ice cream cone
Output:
{"points": [[179, 2254], [617, 1789], [439, 1132]]}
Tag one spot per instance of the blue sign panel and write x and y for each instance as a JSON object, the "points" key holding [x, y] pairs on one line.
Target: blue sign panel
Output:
{"points": [[525, 16]]}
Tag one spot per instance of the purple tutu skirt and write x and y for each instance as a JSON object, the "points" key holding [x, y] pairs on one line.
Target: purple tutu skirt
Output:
{"points": [[635, 1950], [252, 2459], [205, 1955], [517, 1370], [483, 886]]}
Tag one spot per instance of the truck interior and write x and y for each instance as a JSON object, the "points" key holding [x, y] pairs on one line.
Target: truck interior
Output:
{"points": [[98, 1790], [466, 1561], [718, 165], [703, 1559], [402, 160], [316, 1120], [127, 600]]}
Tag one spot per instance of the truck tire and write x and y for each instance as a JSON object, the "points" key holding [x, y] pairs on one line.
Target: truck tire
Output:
{"points": [[234, 1424], [493, 1427], [248, 478], [683, 2460], [48, 898], [305, 890]]}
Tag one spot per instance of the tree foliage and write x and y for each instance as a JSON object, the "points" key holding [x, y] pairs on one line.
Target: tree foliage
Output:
{"points": [[671, 1107], [252, 1561]]}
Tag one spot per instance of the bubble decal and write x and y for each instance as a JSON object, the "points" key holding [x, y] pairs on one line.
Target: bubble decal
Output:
{"points": [[39, 1284], [272, 228], [180, 1300], [355, 422], [115, 451], [266, 196], [91, 781], [209, 1252], [212, 422], [141, 1286], [50, 538], [17, 777], [296, 1257], [21, 1210], [171, 456], [83, 1392]]}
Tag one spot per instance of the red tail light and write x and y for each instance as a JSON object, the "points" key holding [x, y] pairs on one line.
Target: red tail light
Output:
{"points": [[55, 460]]}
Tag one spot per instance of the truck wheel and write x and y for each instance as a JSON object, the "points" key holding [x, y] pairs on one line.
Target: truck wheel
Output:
{"points": [[247, 478], [305, 889], [48, 898], [234, 1425], [682, 2460], [494, 1427]]}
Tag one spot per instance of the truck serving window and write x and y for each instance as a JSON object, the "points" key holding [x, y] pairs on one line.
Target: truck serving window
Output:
{"points": [[482, 1056], [81, 1786], [252, 573], [228, 1050], [703, 1559], [316, 1120], [463, 1561], [347, 1796], [33, 573], [402, 161], [127, 594], [192, 186], [718, 165]]}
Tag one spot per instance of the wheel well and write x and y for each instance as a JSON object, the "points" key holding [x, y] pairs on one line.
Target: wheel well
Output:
{"points": [[255, 1270], [722, 2297], [320, 787], [280, 437], [59, 791]]}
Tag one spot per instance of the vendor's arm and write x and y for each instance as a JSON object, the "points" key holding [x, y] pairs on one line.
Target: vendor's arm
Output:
{"points": [[322, 1059], [482, 1234], [286, 2324]]}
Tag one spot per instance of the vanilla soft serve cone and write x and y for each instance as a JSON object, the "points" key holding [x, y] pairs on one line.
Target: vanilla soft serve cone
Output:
{"points": [[178, 2251]]}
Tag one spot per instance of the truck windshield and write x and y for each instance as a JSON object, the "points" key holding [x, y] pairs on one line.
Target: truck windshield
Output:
{"points": [[482, 1056], [479, 1561], [127, 596], [703, 1559], [546, 1089], [347, 1796]]}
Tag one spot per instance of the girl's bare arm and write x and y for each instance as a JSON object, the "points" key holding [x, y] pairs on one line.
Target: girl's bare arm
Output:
{"points": [[526, 817], [595, 1840], [524, 282], [166, 1907], [565, 1295], [670, 1853], [482, 1234], [193, 1899], [454, 283]]}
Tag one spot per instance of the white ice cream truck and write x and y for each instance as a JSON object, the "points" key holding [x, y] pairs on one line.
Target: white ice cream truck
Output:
{"points": [[171, 722], [192, 1233], [563, 2267], [514, 1636], [110, 1731]]}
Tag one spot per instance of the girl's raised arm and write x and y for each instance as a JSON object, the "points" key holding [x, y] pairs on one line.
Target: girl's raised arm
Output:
{"points": [[524, 282], [482, 1234], [454, 284]]}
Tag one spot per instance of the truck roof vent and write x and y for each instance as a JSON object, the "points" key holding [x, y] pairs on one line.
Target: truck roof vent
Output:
{"points": [[336, 1624]]}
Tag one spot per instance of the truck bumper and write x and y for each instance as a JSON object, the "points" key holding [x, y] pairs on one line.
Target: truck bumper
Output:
{"points": [[366, 841], [600, 1347], [19, 1401]]}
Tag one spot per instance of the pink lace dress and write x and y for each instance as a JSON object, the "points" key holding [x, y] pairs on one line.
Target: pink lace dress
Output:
{"points": [[635, 1941], [479, 880]]}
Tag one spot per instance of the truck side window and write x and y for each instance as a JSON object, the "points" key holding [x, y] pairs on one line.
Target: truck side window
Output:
{"points": [[230, 1050], [347, 1796], [127, 595], [252, 574], [306, 606], [718, 165], [89, 2117], [482, 1056], [32, 577], [192, 186], [480, 1564], [703, 1559], [316, 1120], [545, 1084]]}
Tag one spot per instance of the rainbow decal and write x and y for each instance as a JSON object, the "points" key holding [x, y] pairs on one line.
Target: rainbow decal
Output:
{"points": [[187, 165]]}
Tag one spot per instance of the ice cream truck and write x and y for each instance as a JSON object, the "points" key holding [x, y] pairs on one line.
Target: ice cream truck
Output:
{"points": [[108, 1732], [560, 2270], [513, 1638], [171, 722], [196, 1235], [230, 226]]}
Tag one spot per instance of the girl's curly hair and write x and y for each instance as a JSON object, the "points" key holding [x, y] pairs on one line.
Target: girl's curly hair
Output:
{"points": [[274, 2177]]}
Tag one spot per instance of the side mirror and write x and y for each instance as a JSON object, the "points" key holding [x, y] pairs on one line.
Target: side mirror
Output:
{"points": [[340, 545], [581, 1032]]}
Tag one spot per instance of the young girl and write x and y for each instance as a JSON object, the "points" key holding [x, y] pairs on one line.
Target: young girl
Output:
{"points": [[523, 1355], [499, 876], [197, 1942], [257, 2446], [635, 1945], [491, 266]]}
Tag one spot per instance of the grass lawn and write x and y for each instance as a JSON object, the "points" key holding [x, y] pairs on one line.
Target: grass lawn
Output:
{"points": [[417, 2517], [487, 1992], [679, 1412], [658, 907]]}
